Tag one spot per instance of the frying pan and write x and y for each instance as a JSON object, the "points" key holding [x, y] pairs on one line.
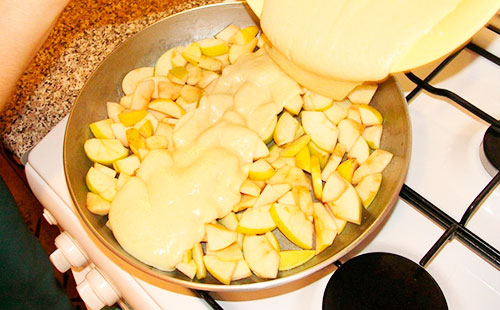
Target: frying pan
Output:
{"points": [[142, 50]]}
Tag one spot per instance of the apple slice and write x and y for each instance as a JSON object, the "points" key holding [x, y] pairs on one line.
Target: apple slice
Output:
{"points": [[271, 193], [178, 75], [323, 132], [334, 187], [245, 35], [197, 252], [132, 78], [303, 199], [316, 102], [346, 169], [338, 111], [281, 162], [287, 198], [219, 269], [102, 129], [376, 162], [340, 223], [303, 159], [293, 258], [230, 221], [285, 129], [187, 268], [219, 237], [373, 135], [317, 183], [104, 151], [236, 50], [213, 47], [368, 188], [266, 133], [230, 253], [164, 63], [113, 109], [369, 115], [324, 227], [122, 179], [323, 155], [207, 77], [360, 150], [169, 90], [334, 161], [294, 105], [291, 149], [363, 93], [273, 240], [256, 220], [290, 175], [348, 205], [191, 93], [349, 131], [167, 107], [156, 142], [127, 165], [192, 53], [142, 95], [98, 181], [292, 222], [261, 256], [111, 172], [246, 202], [241, 271], [260, 170], [126, 101], [353, 113], [96, 204], [135, 140], [209, 63], [226, 33], [250, 188], [130, 118]]}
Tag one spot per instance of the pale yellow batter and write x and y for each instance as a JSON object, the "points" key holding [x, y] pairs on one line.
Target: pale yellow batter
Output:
{"points": [[160, 213]]}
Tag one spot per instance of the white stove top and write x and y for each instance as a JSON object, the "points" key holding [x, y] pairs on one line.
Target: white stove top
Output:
{"points": [[445, 168]]}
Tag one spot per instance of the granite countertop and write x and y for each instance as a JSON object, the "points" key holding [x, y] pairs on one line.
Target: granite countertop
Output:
{"points": [[86, 32]]}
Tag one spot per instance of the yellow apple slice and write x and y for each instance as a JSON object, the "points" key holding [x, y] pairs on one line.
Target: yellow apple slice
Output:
{"points": [[323, 155], [334, 161], [348, 205], [303, 159], [246, 202], [245, 35], [130, 118], [294, 105], [324, 227], [187, 268], [303, 199], [209, 63], [261, 256], [119, 131], [135, 140], [219, 237], [346, 169], [281, 162], [113, 109], [323, 132], [340, 223], [132, 78], [96, 204], [191, 93], [221, 270], [164, 63], [156, 142], [127, 165], [317, 183], [241, 271], [178, 75], [192, 53], [230, 221], [201, 271], [104, 151], [360, 150], [195, 74], [102, 129], [293, 258], [376, 162], [250, 188], [226, 33], [349, 131], [354, 114], [111, 172], [338, 111], [285, 129], [287, 199], [169, 90], [334, 187], [291, 149], [292, 222], [236, 50], [273, 240], [99, 182], [207, 77], [266, 133], [167, 107], [363, 93], [271, 193], [290, 175], [369, 115], [256, 220], [260, 170], [316, 102], [142, 94], [373, 135], [213, 47], [126, 101], [145, 129], [368, 188], [122, 179], [230, 253]]}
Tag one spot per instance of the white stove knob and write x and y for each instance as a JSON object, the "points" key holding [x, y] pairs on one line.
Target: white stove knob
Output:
{"points": [[49, 217], [96, 291], [67, 254]]}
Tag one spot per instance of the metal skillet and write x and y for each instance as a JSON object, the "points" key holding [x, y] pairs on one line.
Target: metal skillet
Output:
{"points": [[142, 50]]}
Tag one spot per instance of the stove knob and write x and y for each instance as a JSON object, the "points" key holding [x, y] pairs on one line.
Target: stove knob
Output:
{"points": [[67, 254], [96, 291], [49, 217]]}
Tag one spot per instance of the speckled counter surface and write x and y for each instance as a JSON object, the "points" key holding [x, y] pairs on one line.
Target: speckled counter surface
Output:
{"points": [[86, 32]]}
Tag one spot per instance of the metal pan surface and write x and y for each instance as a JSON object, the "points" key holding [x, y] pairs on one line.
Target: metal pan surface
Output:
{"points": [[142, 50]]}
